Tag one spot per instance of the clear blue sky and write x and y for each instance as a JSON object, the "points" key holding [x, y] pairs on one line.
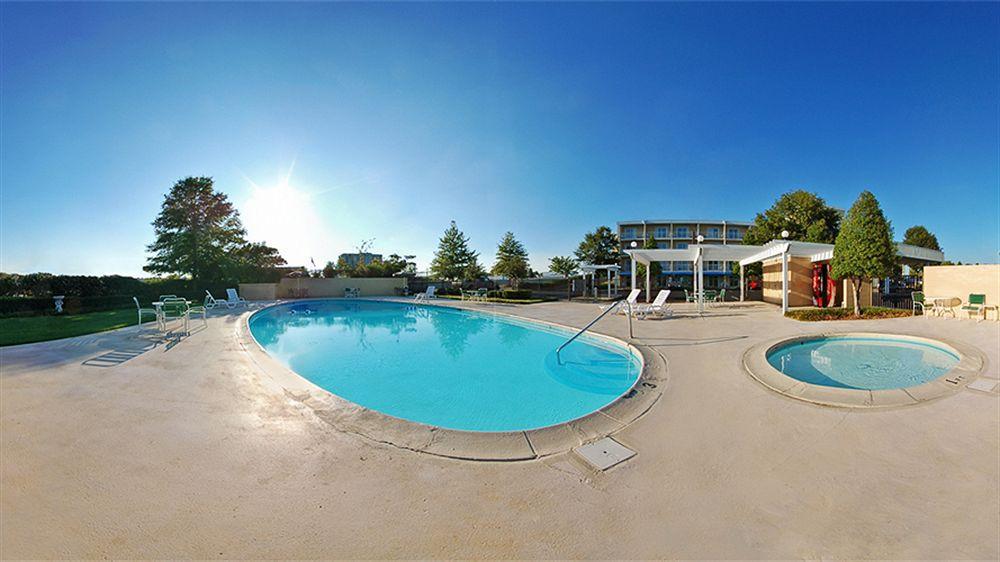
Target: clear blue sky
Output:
{"points": [[546, 120]]}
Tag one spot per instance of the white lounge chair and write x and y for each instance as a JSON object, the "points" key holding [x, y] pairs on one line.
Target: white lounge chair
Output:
{"points": [[428, 294], [656, 308], [631, 299], [212, 302], [234, 299]]}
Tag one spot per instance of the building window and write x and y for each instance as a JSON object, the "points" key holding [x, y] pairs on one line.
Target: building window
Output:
{"points": [[681, 246], [713, 265], [681, 232], [661, 245], [664, 266], [628, 233], [712, 232], [733, 234], [682, 266], [660, 232]]}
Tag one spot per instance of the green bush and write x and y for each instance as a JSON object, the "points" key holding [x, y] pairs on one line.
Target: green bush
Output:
{"points": [[516, 294], [821, 314]]}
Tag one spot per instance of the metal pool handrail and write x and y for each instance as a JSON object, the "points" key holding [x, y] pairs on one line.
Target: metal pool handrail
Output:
{"points": [[624, 303]]}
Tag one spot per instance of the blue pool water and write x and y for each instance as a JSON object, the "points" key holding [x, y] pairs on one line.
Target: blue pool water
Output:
{"points": [[445, 367], [862, 363]]}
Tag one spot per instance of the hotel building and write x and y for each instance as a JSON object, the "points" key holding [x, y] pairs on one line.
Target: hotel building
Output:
{"points": [[679, 234]]}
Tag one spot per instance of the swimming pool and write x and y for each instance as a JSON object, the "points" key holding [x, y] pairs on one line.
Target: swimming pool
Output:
{"points": [[865, 363], [444, 366]]}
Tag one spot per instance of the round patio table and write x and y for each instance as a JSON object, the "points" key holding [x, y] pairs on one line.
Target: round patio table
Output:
{"points": [[945, 303]]}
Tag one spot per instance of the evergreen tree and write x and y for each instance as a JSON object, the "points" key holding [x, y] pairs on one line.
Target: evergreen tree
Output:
{"points": [[565, 266], [599, 247], [512, 260], [864, 248], [454, 260], [199, 234]]}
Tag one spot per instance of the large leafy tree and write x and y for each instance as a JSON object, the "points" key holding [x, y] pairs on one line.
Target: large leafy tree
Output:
{"points": [[655, 269], [919, 236], [864, 248], [565, 266], [805, 216], [599, 247], [454, 260], [199, 234], [512, 260]]}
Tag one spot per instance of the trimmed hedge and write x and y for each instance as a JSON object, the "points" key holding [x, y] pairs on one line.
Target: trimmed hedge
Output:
{"points": [[869, 313], [39, 298]]}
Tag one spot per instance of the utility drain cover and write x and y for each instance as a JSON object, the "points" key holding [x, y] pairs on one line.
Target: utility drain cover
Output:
{"points": [[985, 385], [605, 453]]}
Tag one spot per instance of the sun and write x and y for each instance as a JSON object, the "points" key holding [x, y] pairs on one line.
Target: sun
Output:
{"points": [[284, 217]]}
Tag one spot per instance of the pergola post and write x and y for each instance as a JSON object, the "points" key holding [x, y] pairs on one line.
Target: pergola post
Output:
{"points": [[633, 273], [609, 282], [784, 281], [699, 272], [647, 280], [742, 283]]}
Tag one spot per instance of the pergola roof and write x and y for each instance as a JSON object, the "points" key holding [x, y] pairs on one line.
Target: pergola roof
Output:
{"points": [[590, 268], [711, 252], [746, 254]]}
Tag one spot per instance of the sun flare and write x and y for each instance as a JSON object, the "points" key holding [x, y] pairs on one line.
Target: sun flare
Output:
{"points": [[283, 217]]}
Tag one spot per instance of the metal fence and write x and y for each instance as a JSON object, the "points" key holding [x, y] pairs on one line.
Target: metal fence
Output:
{"points": [[900, 300]]}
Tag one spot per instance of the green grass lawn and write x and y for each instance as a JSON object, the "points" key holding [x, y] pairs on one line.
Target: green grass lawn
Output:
{"points": [[29, 329]]}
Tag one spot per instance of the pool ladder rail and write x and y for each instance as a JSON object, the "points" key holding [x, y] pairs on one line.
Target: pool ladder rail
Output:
{"points": [[616, 306]]}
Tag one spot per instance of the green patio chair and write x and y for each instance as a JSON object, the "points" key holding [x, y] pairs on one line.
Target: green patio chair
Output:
{"points": [[919, 301], [976, 305], [173, 308]]}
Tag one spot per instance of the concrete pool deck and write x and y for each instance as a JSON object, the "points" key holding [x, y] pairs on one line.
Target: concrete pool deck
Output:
{"points": [[128, 446]]}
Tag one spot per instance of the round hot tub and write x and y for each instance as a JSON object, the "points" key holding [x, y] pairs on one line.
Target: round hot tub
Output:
{"points": [[863, 362], [862, 370]]}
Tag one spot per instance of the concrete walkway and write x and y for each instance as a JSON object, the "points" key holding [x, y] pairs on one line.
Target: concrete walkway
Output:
{"points": [[134, 446]]}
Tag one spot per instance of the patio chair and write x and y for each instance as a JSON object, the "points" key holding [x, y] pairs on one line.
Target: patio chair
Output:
{"points": [[721, 296], [656, 308], [976, 305], [151, 311], [427, 294], [197, 309], [631, 299], [688, 297], [919, 301], [173, 308], [234, 298]]}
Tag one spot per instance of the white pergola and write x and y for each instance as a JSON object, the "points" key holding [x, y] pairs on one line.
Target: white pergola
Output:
{"points": [[697, 255], [785, 249], [592, 269], [817, 252]]}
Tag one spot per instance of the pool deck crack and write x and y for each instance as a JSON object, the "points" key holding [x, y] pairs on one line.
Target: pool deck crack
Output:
{"points": [[534, 453]]}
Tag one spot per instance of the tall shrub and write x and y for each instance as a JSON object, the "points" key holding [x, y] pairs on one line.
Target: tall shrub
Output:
{"points": [[864, 248]]}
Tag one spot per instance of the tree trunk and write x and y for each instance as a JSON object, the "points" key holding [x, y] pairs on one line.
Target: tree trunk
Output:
{"points": [[857, 284], [569, 293]]}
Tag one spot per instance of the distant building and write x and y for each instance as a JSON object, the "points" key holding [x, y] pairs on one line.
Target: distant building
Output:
{"points": [[355, 259], [677, 234]]}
